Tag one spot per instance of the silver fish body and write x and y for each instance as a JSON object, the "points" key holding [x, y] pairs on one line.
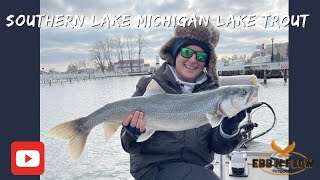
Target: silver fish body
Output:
{"points": [[162, 112], [165, 112]]}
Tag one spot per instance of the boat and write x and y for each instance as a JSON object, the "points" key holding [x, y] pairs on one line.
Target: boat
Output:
{"points": [[238, 165], [222, 165]]}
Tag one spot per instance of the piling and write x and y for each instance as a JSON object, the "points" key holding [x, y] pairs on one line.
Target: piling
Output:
{"points": [[264, 76], [285, 75]]}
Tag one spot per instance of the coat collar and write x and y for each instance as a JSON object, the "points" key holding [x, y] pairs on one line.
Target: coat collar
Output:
{"points": [[165, 77]]}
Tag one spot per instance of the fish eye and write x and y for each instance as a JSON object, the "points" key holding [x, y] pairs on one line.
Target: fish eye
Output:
{"points": [[244, 92]]}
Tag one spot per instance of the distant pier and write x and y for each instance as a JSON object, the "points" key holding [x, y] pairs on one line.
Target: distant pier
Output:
{"points": [[138, 73], [63, 78], [261, 70]]}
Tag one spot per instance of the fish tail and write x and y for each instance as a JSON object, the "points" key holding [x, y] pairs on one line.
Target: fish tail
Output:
{"points": [[72, 132]]}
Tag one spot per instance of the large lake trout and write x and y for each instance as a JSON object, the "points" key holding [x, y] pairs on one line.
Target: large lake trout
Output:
{"points": [[162, 112]]}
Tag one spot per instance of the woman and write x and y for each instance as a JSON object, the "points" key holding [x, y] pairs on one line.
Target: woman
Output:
{"points": [[190, 67]]}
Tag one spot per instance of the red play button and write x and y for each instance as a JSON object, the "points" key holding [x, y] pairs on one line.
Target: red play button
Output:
{"points": [[27, 158]]}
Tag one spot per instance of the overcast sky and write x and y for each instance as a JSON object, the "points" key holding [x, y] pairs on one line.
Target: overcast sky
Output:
{"points": [[61, 45]]}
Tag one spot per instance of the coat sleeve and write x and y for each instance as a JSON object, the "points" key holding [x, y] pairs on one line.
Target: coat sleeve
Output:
{"points": [[128, 141], [222, 145]]}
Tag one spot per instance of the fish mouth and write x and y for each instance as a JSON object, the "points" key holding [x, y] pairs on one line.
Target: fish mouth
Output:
{"points": [[253, 99]]}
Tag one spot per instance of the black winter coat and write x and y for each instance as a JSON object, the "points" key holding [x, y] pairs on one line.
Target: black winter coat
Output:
{"points": [[195, 146]]}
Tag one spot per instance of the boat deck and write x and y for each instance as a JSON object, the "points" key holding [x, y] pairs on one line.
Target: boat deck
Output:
{"points": [[254, 151]]}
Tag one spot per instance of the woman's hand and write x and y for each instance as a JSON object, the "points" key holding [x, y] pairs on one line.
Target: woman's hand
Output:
{"points": [[134, 123]]}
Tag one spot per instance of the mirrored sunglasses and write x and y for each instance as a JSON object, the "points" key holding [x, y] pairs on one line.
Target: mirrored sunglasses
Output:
{"points": [[188, 53]]}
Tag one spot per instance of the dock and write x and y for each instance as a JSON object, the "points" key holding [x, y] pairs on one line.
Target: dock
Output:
{"points": [[261, 70], [138, 73]]}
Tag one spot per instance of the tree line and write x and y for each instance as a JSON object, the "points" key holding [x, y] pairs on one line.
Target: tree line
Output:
{"points": [[118, 47]]}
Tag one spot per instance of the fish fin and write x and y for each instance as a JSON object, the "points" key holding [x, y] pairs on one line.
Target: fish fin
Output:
{"points": [[76, 136], [109, 129], [213, 120], [146, 135], [255, 81], [153, 88]]}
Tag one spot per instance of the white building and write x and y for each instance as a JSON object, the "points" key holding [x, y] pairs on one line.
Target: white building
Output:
{"points": [[261, 59], [237, 62], [135, 66]]}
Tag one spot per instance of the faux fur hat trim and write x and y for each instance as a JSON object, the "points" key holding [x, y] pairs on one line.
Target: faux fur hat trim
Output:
{"points": [[206, 34]]}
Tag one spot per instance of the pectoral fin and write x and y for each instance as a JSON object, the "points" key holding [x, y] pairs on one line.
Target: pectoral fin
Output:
{"points": [[146, 135], [153, 88], [214, 120], [255, 81], [109, 129]]}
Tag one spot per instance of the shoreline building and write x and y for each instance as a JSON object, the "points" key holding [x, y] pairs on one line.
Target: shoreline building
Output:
{"points": [[261, 63], [264, 53], [127, 65]]}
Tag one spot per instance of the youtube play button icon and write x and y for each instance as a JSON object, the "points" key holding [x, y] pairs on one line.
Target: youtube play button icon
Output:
{"points": [[27, 158]]}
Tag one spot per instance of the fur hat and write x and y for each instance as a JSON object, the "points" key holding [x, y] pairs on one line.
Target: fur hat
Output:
{"points": [[206, 34]]}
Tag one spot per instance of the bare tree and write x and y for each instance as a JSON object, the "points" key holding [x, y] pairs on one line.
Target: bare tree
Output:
{"points": [[81, 64], [97, 55], [245, 57], [235, 57], [72, 68], [118, 49], [141, 43], [108, 51], [52, 70], [130, 48]]}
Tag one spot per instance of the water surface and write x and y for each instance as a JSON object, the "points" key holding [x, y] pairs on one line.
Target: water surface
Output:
{"points": [[107, 160]]}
